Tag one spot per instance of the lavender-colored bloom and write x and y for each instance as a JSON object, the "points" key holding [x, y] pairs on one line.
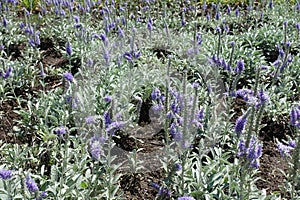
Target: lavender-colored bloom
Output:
{"points": [[60, 130], [283, 149], [115, 126], [69, 77], [198, 38], [123, 21], [264, 67], [214, 6], [228, 10], [7, 73], [77, 26], [186, 198], [178, 166], [95, 147], [204, 6], [237, 12], [107, 119], [157, 108], [218, 29], [107, 99], [227, 29], [250, 153], [44, 194], [22, 25], [128, 56], [62, 12], [261, 16], [231, 43], [155, 94], [1, 48], [120, 32], [37, 38], [285, 24], [31, 42], [4, 22], [207, 17], [217, 15], [5, 174], [161, 191], [290, 58], [271, 4], [150, 24], [295, 116], [292, 144], [31, 185], [175, 132], [90, 120], [263, 98], [240, 125], [240, 66], [288, 44], [29, 30], [277, 62], [245, 94], [76, 18], [69, 48], [298, 26]]}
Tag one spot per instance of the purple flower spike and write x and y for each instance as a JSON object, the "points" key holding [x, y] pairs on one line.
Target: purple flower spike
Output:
{"points": [[5, 174], [60, 130], [271, 4], [150, 24], [7, 73], [240, 125], [295, 117], [69, 77], [107, 99], [90, 120], [69, 49], [178, 167], [298, 26], [95, 147], [240, 66], [31, 185]]}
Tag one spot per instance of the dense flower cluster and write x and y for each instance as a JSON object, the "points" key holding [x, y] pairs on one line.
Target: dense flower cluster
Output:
{"points": [[251, 153], [5, 174], [60, 130], [95, 147], [7, 73], [69, 50], [90, 120], [295, 117], [286, 149], [31, 185], [112, 126], [162, 191], [175, 114], [69, 77], [248, 95], [240, 125]]}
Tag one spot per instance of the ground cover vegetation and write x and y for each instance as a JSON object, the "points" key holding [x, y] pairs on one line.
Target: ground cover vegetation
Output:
{"points": [[149, 100]]}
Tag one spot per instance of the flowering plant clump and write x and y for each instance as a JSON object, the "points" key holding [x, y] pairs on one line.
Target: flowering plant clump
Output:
{"points": [[99, 97], [250, 154]]}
